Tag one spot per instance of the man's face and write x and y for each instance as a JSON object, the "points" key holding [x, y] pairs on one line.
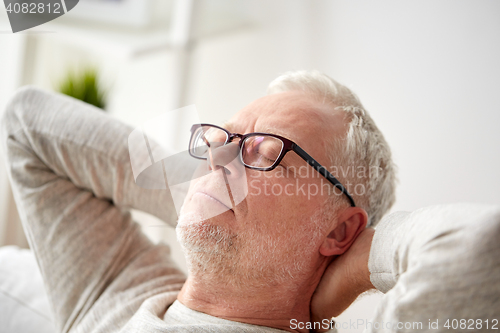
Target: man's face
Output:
{"points": [[276, 230]]}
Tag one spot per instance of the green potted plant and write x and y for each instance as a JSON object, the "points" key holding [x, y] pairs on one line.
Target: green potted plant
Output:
{"points": [[84, 86]]}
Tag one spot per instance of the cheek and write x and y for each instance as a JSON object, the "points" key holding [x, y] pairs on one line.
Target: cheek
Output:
{"points": [[279, 198]]}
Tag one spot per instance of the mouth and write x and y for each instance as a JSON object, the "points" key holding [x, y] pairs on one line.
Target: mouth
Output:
{"points": [[211, 197]]}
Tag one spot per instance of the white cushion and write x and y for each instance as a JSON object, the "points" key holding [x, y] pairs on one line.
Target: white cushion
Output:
{"points": [[24, 306]]}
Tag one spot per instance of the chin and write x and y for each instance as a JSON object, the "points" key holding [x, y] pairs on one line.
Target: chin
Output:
{"points": [[208, 247]]}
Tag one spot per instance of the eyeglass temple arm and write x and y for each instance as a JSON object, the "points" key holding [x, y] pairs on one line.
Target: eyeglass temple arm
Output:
{"points": [[322, 170]]}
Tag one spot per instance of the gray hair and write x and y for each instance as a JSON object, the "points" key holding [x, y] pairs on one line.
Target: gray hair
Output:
{"points": [[364, 145]]}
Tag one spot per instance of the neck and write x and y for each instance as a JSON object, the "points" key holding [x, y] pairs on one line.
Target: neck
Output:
{"points": [[271, 305]]}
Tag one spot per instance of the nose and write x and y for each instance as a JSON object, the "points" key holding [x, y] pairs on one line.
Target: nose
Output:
{"points": [[227, 158]]}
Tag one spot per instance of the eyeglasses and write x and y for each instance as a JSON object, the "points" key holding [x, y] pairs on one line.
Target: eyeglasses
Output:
{"points": [[258, 151]]}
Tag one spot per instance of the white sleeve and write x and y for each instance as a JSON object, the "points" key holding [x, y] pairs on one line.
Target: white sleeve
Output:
{"points": [[435, 265], [70, 172]]}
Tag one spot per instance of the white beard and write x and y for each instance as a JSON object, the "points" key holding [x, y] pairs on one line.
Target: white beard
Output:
{"points": [[209, 249], [252, 257]]}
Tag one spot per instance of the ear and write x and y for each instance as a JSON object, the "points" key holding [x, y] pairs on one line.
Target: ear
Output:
{"points": [[351, 222]]}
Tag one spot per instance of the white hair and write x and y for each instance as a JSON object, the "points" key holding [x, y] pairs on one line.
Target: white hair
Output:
{"points": [[363, 146]]}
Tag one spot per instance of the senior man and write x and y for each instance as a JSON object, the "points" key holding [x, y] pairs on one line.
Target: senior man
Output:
{"points": [[266, 264]]}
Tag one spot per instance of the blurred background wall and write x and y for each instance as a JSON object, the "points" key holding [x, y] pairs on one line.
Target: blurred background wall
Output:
{"points": [[427, 71]]}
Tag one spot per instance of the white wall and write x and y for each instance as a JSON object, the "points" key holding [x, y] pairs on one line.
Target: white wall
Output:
{"points": [[428, 71], [11, 61]]}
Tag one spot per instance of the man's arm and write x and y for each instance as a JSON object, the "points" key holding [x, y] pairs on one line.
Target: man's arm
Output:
{"points": [[438, 263], [70, 171]]}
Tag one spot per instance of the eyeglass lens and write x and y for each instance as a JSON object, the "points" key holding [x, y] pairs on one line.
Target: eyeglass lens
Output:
{"points": [[259, 151]]}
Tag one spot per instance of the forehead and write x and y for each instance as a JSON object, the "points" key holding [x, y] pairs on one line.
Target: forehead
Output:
{"points": [[300, 117]]}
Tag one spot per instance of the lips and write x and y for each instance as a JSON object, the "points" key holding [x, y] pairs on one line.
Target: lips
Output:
{"points": [[214, 198]]}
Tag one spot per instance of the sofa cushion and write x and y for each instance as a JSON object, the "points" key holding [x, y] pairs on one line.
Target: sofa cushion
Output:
{"points": [[24, 306]]}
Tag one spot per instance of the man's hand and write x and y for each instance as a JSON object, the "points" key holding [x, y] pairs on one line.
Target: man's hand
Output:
{"points": [[344, 280]]}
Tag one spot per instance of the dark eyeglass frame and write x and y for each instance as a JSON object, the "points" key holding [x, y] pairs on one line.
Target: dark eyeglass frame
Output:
{"points": [[288, 145]]}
